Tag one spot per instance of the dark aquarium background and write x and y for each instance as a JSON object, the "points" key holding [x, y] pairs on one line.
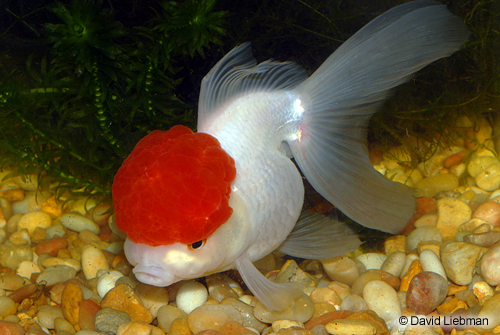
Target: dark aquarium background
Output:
{"points": [[82, 81]]}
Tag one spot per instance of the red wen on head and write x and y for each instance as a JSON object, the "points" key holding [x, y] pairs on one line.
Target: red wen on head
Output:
{"points": [[174, 187]]}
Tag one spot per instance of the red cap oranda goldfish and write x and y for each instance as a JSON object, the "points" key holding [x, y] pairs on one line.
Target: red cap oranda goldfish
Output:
{"points": [[194, 204]]}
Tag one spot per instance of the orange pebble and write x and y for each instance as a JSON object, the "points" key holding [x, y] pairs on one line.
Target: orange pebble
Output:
{"points": [[414, 269]]}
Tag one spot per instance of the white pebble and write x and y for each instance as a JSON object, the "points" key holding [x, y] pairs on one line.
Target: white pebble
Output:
{"points": [[372, 260], [382, 299], [424, 233], [92, 261], [107, 282], [79, 223], [430, 262], [191, 295]]}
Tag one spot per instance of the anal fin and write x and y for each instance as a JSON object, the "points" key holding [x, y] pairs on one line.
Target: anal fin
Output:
{"points": [[275, 296]]}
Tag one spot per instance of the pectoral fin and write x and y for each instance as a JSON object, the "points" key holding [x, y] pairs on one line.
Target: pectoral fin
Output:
{"points": [[317, 236], [273, 295]]}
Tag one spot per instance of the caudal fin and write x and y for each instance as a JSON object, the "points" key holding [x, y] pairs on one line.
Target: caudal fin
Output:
{"points": [[350, 86]]}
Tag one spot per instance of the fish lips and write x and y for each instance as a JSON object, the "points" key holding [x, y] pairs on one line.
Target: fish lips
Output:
{"points": [[154, 275]]}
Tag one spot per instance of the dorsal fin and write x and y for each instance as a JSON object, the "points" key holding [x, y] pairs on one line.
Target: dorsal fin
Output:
{"points": [[237, 74]]}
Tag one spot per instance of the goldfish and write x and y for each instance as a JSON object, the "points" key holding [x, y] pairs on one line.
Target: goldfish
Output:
{"points": [[198, 203]]}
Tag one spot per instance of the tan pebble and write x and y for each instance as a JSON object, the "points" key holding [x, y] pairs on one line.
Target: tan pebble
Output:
{"points": [[325, 294], [459, 259], [78, 223], [38, 235], [291, 273], [47, 314], [322, 308], [489, 212], [482, 289], [180, 326], [10, 281], [209, 332], [382, 299], [395, 243], [71, 298], [426, 220], [394, 263], [372, 260], [489, 178], [13, 195], [218, 287], [123, 298], [480, 163], [350, 326], [32, 220], [471, 224], [491, 311], [341, 268], [152, 297], [56, 292], [62, 325], [212, 317], [301, 309], [341, 289], [429, 245], [247, 312], [61, 261], [490, 266], [451, 214], [432, 185], [359, 284], [93, 260], [7, 307], [485, 240], [53, 207], [166, 316], [138, 328], [283, 324], [414, 269], [20, 237], [88, 236]]}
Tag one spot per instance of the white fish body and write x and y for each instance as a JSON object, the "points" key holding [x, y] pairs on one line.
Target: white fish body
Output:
{"points": [[263, 113]]}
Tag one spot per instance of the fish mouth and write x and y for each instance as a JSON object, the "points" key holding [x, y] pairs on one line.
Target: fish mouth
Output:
{"points": [[154, 275]]}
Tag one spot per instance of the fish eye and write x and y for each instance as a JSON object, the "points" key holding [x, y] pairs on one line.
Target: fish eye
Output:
{"points": [[197, 245]]}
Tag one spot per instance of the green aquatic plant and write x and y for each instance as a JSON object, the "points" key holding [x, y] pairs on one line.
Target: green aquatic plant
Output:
{"points": [[74, 114]]}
